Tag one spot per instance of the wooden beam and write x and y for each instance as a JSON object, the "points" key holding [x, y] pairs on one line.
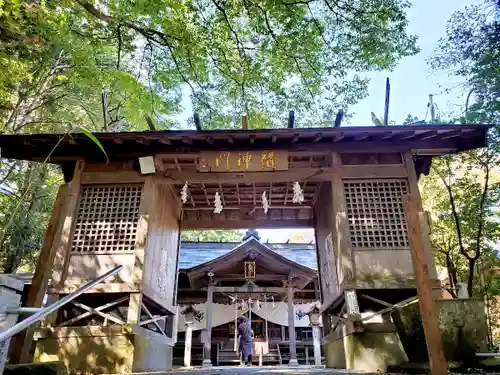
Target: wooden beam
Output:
{"points": [[373, 171], [338, 118], [449, 134], [387, 96], [291, 119], [317, 137], [296, 174], [244, 289], [197, 122], [165, 141], [259, 277], [118, 177], [438, 363], [251, 223], [64, 240], [244, 124]]}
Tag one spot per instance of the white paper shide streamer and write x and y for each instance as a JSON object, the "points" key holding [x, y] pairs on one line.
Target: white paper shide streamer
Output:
{"points": [[298, 195], [184, 193], [217, 203], [265, 203]]}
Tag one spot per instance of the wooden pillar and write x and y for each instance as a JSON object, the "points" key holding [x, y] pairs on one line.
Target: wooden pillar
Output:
{"points": [[63, 245], [187, 344], [438, 363], [342, 242], [207, 345], [54, 257], [424, 225], [39, 284], [291, 328], [317, 345]]}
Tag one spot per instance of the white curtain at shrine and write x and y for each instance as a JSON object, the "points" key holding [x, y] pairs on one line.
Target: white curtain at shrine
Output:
{"points": [[221, 314], [276, 312]]}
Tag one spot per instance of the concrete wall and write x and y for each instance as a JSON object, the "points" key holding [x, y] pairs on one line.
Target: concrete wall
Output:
{"points": [[110, 350], [10, 289]]}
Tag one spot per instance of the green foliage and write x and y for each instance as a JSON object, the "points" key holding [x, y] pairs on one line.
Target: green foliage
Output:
{"points": [[465, 231], [260, 56], [212, 235], [471, 51], [26, 200], [60, 61]]}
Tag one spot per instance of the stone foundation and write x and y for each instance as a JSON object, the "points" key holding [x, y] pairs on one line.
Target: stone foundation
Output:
{"points": [[109, 350], [463, 329], [373, 350]]}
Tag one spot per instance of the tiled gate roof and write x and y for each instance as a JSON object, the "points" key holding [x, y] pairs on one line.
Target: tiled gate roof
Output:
{"points": [[193, 254]]}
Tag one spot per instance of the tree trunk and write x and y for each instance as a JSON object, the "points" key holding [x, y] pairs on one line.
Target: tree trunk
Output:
{"points": [[11, 264], [452, 275], [470, 280]]}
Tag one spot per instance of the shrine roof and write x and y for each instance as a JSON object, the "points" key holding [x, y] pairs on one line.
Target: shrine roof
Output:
{"points": [[428, 139], [193, 254]]}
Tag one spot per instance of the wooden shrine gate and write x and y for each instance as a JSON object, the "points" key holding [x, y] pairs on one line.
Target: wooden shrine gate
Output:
{"points": [[129, 211]]}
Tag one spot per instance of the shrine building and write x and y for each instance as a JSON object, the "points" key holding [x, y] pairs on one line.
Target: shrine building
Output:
{"points": [[251, 279], [125, 201]]}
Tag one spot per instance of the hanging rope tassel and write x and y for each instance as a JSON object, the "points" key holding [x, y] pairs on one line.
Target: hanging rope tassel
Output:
{"points": [[217, 203], [298, 195], [184, 193], [265, 203]]}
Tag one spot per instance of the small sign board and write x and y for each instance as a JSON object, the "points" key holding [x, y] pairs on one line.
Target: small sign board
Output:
{"points": [[243, 161]]}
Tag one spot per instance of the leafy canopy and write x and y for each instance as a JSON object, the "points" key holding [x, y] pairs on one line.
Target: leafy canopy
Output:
{"points": [[262, 56]]}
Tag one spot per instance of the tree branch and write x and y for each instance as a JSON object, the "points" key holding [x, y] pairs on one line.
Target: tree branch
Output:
{"points": [[118, 34], [481, 213], [147, 32], [455, 214]]}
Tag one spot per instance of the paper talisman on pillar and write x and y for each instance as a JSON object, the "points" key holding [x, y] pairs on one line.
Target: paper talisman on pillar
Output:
{"points": [[329, 267]]}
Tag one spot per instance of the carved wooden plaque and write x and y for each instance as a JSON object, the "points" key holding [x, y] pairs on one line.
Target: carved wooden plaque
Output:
{"points": [[243, 161]]}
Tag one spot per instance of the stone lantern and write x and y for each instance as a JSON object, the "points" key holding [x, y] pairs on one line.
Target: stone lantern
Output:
{"points": [[314, 316]]}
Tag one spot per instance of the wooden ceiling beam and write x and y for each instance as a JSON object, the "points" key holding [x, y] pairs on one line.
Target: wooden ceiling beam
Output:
{"points": [[449, 134], [298, 174], [244, 224], [221, 192], [165, 141], [205, 193]]}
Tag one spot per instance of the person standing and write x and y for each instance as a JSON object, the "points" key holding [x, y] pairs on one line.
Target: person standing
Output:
{"points": [[245, 340]]}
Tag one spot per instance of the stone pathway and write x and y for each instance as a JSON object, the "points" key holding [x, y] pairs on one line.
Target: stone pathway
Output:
{"points": [[255, 370]]}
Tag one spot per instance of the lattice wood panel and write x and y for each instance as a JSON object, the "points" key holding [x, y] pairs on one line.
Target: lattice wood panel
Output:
{"points": [[375, 213], [107, 219]]}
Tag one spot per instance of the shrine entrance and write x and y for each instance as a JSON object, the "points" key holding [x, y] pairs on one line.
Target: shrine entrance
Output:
{"points": [[262, 281], [357, 186]]}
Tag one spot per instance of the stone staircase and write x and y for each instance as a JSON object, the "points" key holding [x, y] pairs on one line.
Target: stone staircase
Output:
{"points": [[227, 356]]}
